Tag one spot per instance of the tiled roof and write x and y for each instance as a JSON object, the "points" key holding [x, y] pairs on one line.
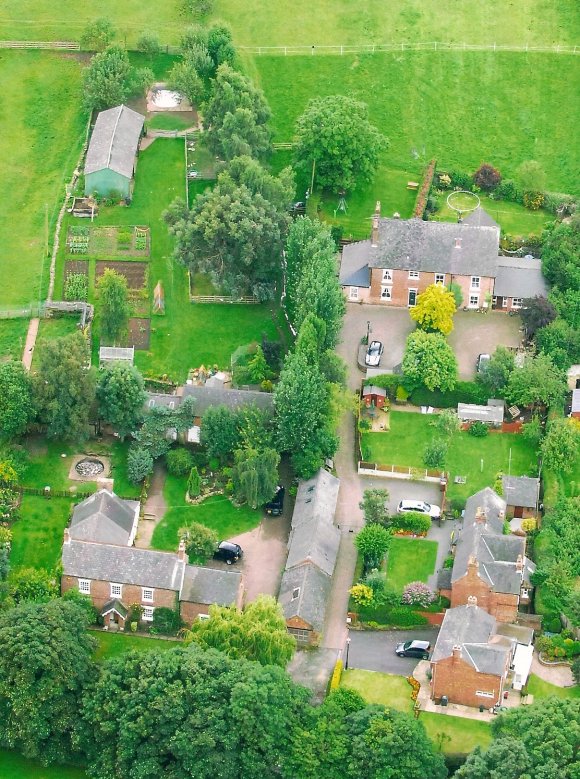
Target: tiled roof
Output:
{"points": [[521, 491], [104, 518], [312, 589], [210, 585], [205, 397], [114, 141], [519, 278]]}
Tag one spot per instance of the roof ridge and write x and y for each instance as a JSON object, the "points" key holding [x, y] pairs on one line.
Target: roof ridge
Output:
{"points": [[110, 152]]}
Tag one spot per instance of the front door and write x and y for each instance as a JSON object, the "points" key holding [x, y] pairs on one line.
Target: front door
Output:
{"points": [[518, 512], [412, 297]]}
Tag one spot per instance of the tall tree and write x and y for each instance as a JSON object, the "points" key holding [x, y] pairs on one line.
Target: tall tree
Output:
{"points": [[335, 136], [45, 664], [435, 309], [305, 237], [200, 714], [537, 312], [184, 77], [373, 542], [561, 445], [561, 254], [155, 433], [113, 305], [538, 382], [97, 35], [496, 372], [64, 388], [234, 232], [429, 360], [561, 341], [255, 475], [257, 633], [220, 433], [237, 117], [109, 79], [16, 408], [375, 507], [121, 396]]}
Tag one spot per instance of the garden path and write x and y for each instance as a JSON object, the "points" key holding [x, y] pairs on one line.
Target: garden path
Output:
{"points": [[559, 675], [30, 343], [154, 509]]}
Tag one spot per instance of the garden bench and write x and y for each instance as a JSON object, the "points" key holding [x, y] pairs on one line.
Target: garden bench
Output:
{"points": [[412, 185]]}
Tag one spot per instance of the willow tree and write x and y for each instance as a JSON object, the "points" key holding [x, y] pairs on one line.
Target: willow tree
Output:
{"points": [[255, 475]]}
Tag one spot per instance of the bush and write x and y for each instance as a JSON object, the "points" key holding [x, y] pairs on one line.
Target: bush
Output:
{"points": [[179, 461], [139, 464], [362, 594], [460, 180], [533, 200], [383, 594], [401, 396], [464, 392], [194, 483], [435, 454], [412, 522], [553, 624], [560, 204], [529, 525], [166, 621], [200, 541], [403, 617], [77, 287], [336, 676], [418, 594], [509, 190], [478, 429], [388, 382], [487, 177]]}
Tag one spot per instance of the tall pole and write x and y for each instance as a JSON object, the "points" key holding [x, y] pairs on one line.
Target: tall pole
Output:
{"points": [[346, 656]]}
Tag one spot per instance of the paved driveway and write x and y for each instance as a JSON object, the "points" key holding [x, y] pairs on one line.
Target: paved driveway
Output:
{"points": [[375, 650], [474, 334], [400, 489]]}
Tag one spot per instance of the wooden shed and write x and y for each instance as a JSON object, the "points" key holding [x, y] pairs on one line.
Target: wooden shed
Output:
{"points": [[112, 153], [374, 396]]}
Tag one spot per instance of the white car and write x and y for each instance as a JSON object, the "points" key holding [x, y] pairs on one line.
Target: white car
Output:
{"points": [[419, 507], [374, 354]]}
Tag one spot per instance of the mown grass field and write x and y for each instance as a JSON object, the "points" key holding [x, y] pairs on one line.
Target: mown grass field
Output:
{"points": [[12, 337], [303, 23], [41, 138]]}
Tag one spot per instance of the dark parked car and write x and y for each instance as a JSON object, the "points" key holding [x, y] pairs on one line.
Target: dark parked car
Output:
{"points": [[418, 649], [276, 505], [374, 354], [228, 552]]}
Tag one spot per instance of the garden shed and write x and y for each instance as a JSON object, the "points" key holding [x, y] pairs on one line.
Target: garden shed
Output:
{"points": [[112, 153], [374, 396], [491, 414], [521, 493], [113, 354]]}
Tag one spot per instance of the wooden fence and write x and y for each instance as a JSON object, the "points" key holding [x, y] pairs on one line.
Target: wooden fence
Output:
{"points": [[65, 45], [249, 299]]}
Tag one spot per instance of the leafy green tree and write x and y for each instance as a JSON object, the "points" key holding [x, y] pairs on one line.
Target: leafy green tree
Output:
{"points": [[531, 176], [121, 396], [64, 388], [234, 232], [200, 715], [305, 237], [220, 432], [373, 543], [257, 428], [255, 475], [333, 368], [538, 382], [16, 408], [429, 360], [33, 584], [446, 423], [335, 135], [139, 464], [97, 35], [576, 669], [108, 80], [237, 117], [45, 664], [311, 337], [258, 367], [496, 372], [434, 309], [184, 77], [561, 254], [179, 461], [561, 445], [113, 305], [375, 507], [194, 483], [322, 446], [504, 759], [162, 424], [148, 43], [457, 293], [200, 542], [537, 312], [258, 632], [561, 341]]}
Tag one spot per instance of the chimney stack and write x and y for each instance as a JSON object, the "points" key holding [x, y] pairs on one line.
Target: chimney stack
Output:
{"points": [[480, 515], [375, 230], [501, 514], [181, 556], [520, 564], [456, 652], [66, 535], [458, 243], [472, 564], [471, 601]]}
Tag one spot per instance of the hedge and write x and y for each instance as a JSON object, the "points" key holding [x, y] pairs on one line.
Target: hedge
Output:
{"points": [[424, 189], [336, 675], [464, 392]]}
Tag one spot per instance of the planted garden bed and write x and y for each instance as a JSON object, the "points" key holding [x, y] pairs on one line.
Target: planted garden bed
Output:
{"points": [[139, 332], [134, 272]]}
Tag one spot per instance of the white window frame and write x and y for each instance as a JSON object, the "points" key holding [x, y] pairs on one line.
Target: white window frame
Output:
{"points": [[416, 291], [387, 274], [504, 302], [517, 303], [484, 694], [475, 282], [386, 293], [474, 301], [148, 612], [116, 594], [85, 583], [413, 274], [525, 593], [440, 279], [353, 293], [144, 591]]}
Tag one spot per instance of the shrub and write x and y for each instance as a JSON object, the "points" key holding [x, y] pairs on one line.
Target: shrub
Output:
{"points": [[529, 524], [435, 453], [487, 177], [460, 180], [403, 617], [373, 542], [478, 429], [457, 505], [448, 562], [553, 624], [179, 461], [364, 425], [418, 594], [560, 204], [383, 594], [446, 422], [77, 287], [148, 43], [194, 483], [362, 594], [533, 200], [200, 541], [166, 621], [509, 190], [413, 522], [463, 392], [336, 675], [401, 395], [139, 464]]}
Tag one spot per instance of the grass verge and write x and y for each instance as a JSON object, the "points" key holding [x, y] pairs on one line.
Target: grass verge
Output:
{"points": [[455, 735], [12, 337], [542, 689]]}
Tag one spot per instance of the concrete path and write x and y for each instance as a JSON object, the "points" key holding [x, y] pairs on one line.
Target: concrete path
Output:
{"points": [[559, 675], [443, 537], [28, 353], [154, 509]]}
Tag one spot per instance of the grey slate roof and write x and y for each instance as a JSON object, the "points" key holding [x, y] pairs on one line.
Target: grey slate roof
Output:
{"points": [[314, 536], [444, 579], [471, 412], [210, 585], [114, 141], [480, 218], [426, 246], [115, 605], [104, 518], [123, 565], [519, 278], [314, 586], [206, 397], [520, 491], [471, 628], [496, 554], [354, 269], [370, 389]]}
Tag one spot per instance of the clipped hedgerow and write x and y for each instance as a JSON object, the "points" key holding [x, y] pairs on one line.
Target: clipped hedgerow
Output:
{"points": [[425, 188]]}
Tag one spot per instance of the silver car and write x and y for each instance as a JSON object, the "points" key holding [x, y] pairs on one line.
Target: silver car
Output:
{"points": [[374, 354]]}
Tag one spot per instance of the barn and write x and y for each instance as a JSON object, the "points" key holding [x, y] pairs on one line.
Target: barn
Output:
{"points": [[112, 153]]}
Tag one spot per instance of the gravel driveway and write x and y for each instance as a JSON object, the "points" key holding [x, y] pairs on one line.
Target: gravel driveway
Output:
{"points": [[375, 650]]}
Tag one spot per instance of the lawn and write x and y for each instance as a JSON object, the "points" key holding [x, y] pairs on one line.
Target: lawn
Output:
{"points": [[217, 512], [115, 644], [410, 560], [14, 766], [37, 536], [477, 459], [511, 217], [386, 689], [170, 121], [42, 134], [455, 735], [541, 689], [12, 336]]}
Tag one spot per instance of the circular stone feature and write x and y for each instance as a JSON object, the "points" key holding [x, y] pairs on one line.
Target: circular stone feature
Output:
{"points": [[89, 467], [166, 98]]}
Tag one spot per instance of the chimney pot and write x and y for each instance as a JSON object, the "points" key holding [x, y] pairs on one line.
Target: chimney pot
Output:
{"points": [[472, 562], [66, 535], [181, 550], [480, 515], [456, 652], [520, 563], [472, 600], [458, 243]]}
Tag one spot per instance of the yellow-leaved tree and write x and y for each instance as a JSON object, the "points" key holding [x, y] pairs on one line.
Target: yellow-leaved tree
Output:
{"points": [[434, 309]]}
